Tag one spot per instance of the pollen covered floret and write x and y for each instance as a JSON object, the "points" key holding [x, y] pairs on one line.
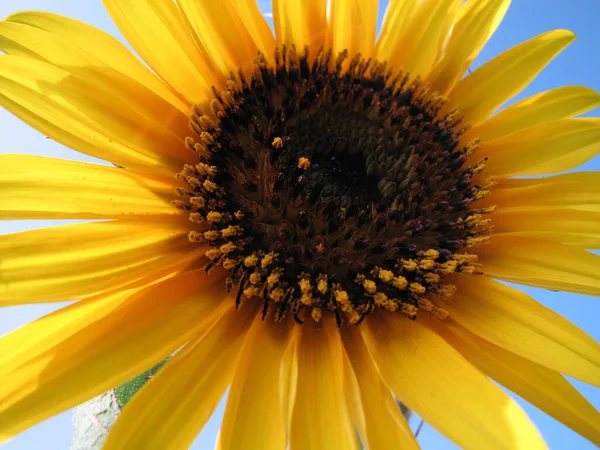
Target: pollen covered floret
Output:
{"points": [[322, 189]]}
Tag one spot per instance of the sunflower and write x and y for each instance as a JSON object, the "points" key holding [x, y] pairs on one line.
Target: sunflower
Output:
{"points": [[315, 221]]}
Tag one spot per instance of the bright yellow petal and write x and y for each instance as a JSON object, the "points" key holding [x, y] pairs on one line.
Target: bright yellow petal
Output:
{"points": [[548, 106], [353, 399], [542, 387], [546, 148], [302, 23], [385, 426], [482, 92], [91, 346], [416, 48], [511, 319], [101, 47], [320, 418], [435, 381], [160, 33], [157, 114], [256, 25], [447, 29], [578, 190], [254, 388], [86, 117], [397, 16], [221, 34], [35, 187], [287, 383], [173, 407], [564, 225], [539, 263], [353, 25], [76, 261], [476, 22]]}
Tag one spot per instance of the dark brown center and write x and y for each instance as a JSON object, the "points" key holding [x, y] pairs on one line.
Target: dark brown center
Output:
{"points": [[330, 185]]}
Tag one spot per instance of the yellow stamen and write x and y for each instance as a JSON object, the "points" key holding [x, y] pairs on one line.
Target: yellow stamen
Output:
{"points": [[316, 314], [214, 217], [426, 264], [303, 163], [196, 218], [370, 286], [255, 278], [409, 265], [228, 248], [400, 283], [210, 186], [207, 138], [267, 260], [386, 276], [417, 288], [229, 263], [230, 231], [322, 285], [277, 295], [198, 201], [213, 254], [251, 261], [211, 235], [195, 236], [273, 279], [431, 254], [277, 142]]}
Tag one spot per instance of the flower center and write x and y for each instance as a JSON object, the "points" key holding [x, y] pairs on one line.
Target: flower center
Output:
{"points": [[330, 185]]}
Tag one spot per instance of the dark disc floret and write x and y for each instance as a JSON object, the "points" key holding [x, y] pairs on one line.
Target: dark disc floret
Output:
{"points": [[331, 185]]}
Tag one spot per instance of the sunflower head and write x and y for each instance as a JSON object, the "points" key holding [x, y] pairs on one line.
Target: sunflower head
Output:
{"points": [[313, 220], [334, 184]]}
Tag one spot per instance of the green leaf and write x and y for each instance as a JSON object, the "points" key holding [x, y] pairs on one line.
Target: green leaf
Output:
{"points": [[128, 390]]}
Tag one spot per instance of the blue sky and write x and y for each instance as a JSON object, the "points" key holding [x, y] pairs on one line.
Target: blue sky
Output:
{"points": [[579, 64]]}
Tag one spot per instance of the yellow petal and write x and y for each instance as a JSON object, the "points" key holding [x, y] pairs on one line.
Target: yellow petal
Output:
{"points": [[221, 34], [95, 44], [160, 33], [34, 187], [353, 399], [416, 48], [482, 92], [86, 117], [447, 29], [353, 25], [564, 225], [476, 22], [397, 16], [76, 261], [256, 25], [171, 409], [546, 148], [302, 23], [157, 115], [540, 386], [435, 381], [548, 106], [578, 190], [385, 427], [539, 263], [254, 388], [511, 319], [287, 382], [320, 418], [85, 349]]}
